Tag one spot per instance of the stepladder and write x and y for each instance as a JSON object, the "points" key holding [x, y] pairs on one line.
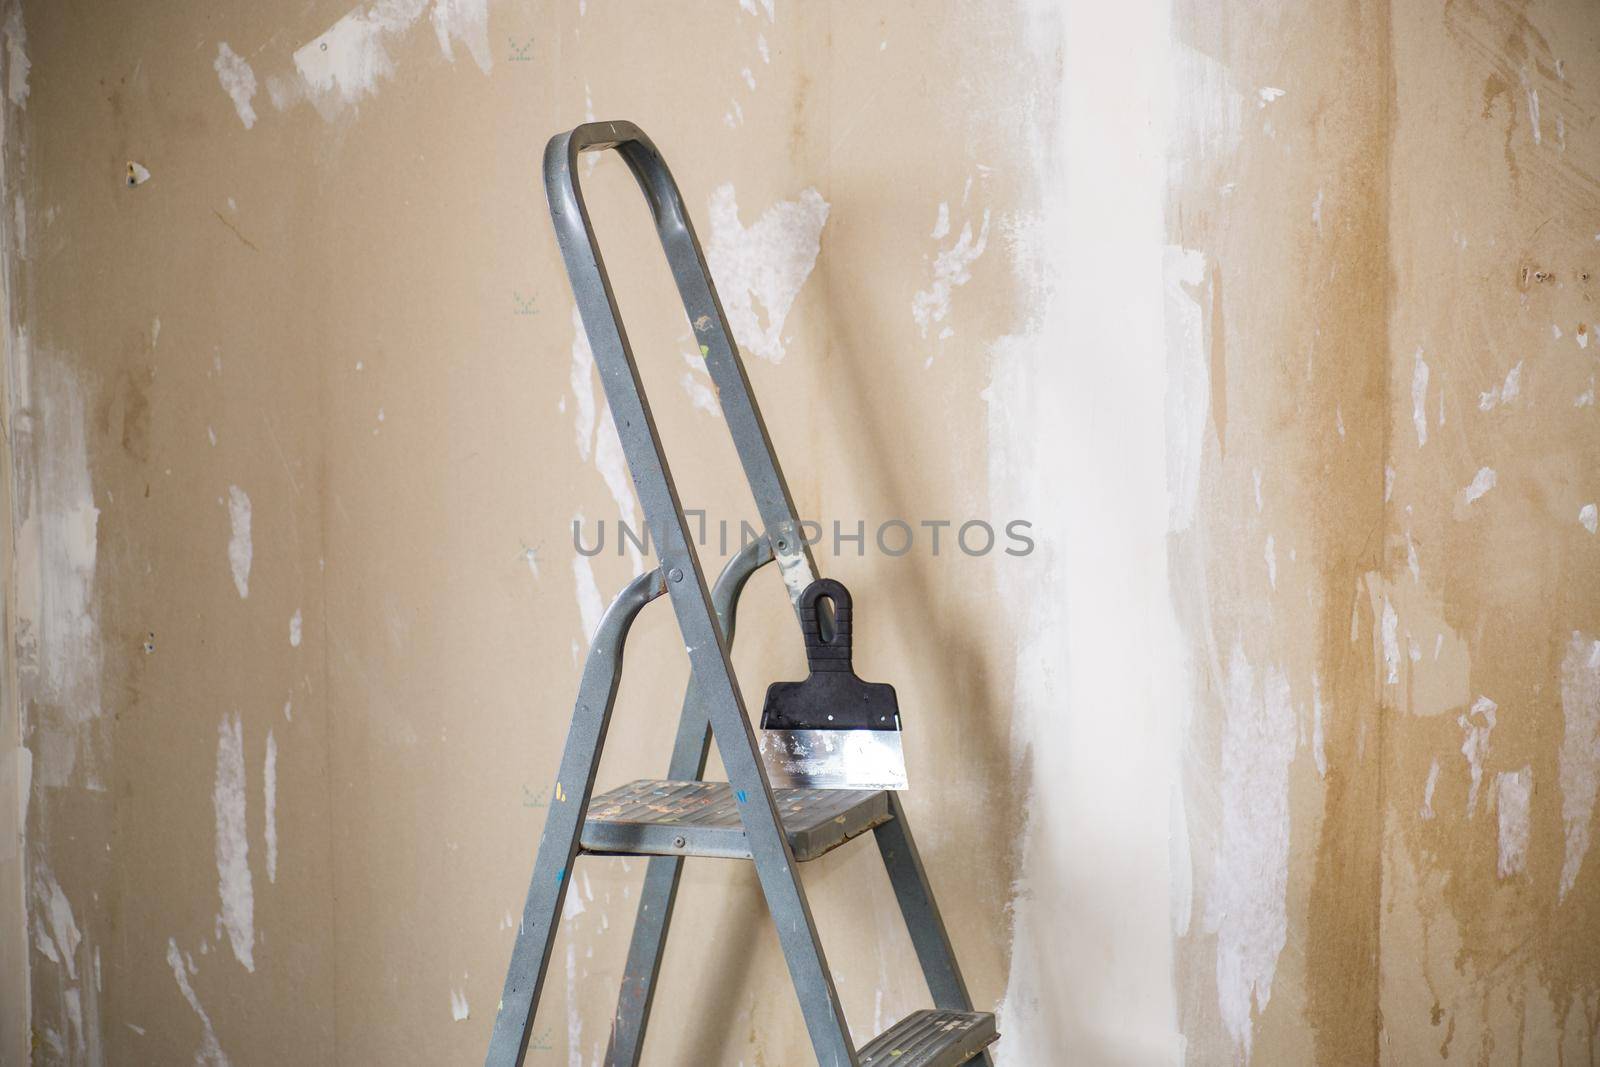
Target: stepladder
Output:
{"points": [[682, 815]]}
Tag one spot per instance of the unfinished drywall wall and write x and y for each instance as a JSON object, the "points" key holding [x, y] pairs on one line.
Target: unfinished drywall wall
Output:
{"points": [[1491, 588], [1271, 319]]}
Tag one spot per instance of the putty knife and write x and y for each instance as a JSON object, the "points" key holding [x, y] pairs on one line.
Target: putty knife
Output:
{"points": [[833, 730]]}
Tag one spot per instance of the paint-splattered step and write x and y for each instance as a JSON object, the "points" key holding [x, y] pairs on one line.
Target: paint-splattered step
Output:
{"points": [[932, 1039], [662, 818]]}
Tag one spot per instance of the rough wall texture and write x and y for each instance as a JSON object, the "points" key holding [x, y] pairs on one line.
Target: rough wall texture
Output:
{"points": [[1274, 319]]}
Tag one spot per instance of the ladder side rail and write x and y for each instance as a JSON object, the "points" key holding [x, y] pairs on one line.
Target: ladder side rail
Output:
{"points": [[686, 586], [712, 333], [929, 937], [662, 874], [563, 826]]}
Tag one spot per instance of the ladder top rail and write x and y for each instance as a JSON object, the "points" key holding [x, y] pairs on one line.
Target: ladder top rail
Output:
{"points": [[598, 308]]}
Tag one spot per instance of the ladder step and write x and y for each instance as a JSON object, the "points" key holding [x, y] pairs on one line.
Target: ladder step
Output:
{"points": [[931, 1039], [663, 818]]}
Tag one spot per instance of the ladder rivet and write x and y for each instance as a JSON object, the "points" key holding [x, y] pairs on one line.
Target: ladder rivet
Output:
{"points": [[675, 574], [678, 842]]}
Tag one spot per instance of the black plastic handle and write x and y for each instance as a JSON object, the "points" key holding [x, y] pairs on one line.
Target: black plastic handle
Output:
{"points": [[832, 697], [825, 653]]}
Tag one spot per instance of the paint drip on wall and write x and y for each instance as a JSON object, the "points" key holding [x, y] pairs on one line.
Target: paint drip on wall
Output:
{"points": [[1579, 762], [57, 937], [1476, 725], [269, 798], [240, 549], [237, 916], [1512, 793], [210, 1053], [1248, 905], [238, 81]]}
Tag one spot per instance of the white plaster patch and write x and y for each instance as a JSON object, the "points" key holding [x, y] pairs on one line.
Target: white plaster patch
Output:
{"points": [[697, 384], [240, 549], [17, 63], [233, 844], [346, 63], [1419, 398], [1512, 793], [269, 798], [1428, 787], [460, 1011], [466, 21], [295, 629], [590, 604], [766, 263], [1248, 908], [57, 641], [1270, 554], [1504, 393], [1213, 117], [952, 268], [238, 81], [1267, 94], [56, 936], [1481, 483], [1588, 516], [210, 1053], [1390, 625], [1477, 724], [1579, 763], [55, 929], [701, 396]]}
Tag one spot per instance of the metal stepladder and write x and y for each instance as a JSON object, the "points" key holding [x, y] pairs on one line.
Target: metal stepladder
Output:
{"points": [[744, 818]]}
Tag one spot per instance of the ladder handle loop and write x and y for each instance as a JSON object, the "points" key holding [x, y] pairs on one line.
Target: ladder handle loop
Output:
{"points": [[708, 321]]}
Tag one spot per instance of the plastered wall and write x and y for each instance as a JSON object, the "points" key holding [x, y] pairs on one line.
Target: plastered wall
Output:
{"points": [[1281, 746]]}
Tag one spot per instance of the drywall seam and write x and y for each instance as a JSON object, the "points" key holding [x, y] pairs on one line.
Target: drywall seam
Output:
{"points": [[1100, 665], [16, 761]]}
